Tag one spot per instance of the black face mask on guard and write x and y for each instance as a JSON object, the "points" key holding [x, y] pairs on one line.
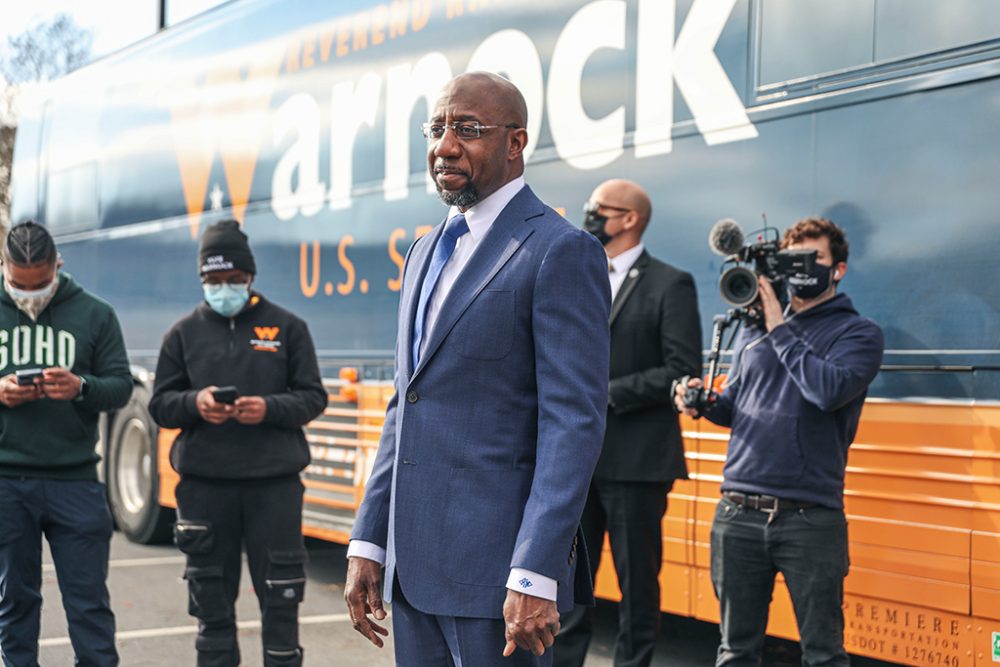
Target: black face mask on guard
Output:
{"points": [[595, 223]]}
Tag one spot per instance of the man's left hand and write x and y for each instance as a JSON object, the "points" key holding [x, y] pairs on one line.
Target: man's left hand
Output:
{"points": [[773, 317], [531, 623], [250, 410], [60, 385]]}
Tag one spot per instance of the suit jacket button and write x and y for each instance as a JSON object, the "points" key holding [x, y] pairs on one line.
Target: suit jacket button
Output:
{"points": [[412, 397]]}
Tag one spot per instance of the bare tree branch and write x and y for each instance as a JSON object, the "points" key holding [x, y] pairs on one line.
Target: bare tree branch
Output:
{"points": [[43, 52], [46, 51]]}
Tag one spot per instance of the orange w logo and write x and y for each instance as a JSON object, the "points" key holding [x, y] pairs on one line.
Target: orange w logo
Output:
{"points": [[266, 333], [224, 113]]}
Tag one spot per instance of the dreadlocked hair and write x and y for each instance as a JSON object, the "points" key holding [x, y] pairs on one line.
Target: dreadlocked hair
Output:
{"points": [[28, 244]]}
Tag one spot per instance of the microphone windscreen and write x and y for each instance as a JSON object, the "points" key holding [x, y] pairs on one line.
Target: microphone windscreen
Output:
{"points": [[726, 237]]}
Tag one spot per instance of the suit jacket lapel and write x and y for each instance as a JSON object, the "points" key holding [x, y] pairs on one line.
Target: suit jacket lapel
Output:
{"points": [[631, 280], [505, 236], [420, 259]]}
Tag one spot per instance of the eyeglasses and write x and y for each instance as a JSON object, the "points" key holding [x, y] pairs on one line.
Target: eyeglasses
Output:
{"points": [[464, 130], [215, 285], [594, 206]]}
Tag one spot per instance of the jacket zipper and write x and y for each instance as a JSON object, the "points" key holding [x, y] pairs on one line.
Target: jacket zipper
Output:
{"points": [[232, 336]]}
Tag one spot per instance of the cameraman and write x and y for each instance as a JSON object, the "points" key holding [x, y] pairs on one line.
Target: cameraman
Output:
{"points": [[793, 402]]}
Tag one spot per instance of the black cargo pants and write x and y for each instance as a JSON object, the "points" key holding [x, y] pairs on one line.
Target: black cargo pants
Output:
{"points": [[216, 520]]}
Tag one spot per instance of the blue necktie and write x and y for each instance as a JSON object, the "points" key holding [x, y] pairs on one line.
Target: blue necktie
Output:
{"points": [[453, 231]]}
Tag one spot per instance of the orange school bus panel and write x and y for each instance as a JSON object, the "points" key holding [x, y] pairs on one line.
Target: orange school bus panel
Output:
{"points": [[924, 524], [301, 120], [922, 501]]}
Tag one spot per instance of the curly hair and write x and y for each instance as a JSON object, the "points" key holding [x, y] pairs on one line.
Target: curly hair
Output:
{"points": [[816, 228]]}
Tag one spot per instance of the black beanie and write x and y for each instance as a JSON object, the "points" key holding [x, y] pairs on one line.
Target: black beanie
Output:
{"points": [[224, 247]]}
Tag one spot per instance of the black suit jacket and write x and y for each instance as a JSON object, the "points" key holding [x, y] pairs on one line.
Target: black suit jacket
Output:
{"points": [[655, 339]]}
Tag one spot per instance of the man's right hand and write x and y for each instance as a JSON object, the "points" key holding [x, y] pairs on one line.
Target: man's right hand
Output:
{"points": [[210, 411], [679, 391], [363, 593], [12, 394]]}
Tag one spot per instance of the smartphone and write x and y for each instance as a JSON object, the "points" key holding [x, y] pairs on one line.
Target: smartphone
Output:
{"points": [[227, 395], [27, 376]]}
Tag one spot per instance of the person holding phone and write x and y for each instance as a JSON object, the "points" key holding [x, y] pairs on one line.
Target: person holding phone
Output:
{"points": [[239, 378], [62, 362]]}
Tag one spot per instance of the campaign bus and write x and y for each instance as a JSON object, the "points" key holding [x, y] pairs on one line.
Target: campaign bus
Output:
{"points": [[302, 120]]}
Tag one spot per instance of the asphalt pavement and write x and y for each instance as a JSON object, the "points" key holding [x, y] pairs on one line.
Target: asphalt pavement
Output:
{"points": [[149, 598]]}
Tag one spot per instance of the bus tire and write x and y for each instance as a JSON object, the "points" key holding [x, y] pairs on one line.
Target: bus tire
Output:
{"points": [[132, 476]]}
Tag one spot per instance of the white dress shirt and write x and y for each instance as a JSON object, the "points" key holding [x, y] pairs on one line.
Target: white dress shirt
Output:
{"points": [[479, 218], [619, 266]]}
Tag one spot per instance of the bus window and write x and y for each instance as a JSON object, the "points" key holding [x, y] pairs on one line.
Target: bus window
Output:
{"points": [[24, 171], [72, 144], [800, 38], [71, 199], [914, 27], [809, 45]]}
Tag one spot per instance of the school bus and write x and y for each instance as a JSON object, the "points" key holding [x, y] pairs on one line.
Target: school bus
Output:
{"points": [[301, 120]]}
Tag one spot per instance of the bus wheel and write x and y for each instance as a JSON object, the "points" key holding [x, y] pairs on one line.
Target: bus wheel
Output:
{"points": [[133, 479]]}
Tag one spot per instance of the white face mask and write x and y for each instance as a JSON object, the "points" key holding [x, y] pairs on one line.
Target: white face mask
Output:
{"points": [[32, 302]]}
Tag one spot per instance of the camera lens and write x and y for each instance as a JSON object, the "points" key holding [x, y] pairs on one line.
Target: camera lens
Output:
{"points": [[738, 286]]}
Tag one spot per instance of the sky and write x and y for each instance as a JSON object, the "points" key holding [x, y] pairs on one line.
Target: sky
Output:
{"points": [[115, 23]]}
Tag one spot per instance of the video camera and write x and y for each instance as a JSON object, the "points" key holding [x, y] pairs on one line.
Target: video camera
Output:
{"points": [[745, 262], [738, 285]]}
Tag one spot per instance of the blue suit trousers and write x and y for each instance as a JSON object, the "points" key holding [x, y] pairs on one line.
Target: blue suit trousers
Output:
{"points": [[426, 640]]}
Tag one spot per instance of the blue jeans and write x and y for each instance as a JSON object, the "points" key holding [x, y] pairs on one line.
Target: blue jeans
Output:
{"points": [[809, 547], [74, 517]]}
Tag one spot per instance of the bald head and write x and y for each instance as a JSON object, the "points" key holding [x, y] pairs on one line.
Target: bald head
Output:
{"points": [[625, 194], [617, 214], [498, 95], [469, 167]]}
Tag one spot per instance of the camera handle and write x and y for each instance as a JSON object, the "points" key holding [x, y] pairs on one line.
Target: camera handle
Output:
{"points": [[706, 396], [720, 324]]}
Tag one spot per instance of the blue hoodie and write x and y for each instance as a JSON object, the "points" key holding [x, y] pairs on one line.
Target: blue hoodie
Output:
{"points": [[794, 403]]}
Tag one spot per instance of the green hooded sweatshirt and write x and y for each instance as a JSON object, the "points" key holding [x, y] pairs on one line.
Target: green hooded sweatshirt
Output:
{"points": [[49, 438]]}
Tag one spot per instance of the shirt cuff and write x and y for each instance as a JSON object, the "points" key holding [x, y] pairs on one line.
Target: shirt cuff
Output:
{"points": [[368, 550], [532, 583]]}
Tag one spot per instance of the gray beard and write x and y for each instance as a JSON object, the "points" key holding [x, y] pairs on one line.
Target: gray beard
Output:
{"points": [[463, 199]]}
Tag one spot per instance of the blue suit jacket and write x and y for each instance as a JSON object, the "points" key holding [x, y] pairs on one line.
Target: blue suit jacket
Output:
{"points": [[490, 442]]}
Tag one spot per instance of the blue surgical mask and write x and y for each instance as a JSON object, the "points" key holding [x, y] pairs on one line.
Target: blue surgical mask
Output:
{"points": [[225, 299]]}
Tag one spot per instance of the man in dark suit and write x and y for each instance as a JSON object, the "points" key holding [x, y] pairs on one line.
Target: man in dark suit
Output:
{"points": [[474, 502], [655, 338]]}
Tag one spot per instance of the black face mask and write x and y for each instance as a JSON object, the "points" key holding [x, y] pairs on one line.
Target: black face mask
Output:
{"points": [[810, 285], [595, 223]]}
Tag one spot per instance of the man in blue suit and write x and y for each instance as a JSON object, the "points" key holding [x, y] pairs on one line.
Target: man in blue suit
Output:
{"points": [[474, 502]]}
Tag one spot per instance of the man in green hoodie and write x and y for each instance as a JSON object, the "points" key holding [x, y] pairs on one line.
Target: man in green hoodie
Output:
{"points": [[62, 362]]}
